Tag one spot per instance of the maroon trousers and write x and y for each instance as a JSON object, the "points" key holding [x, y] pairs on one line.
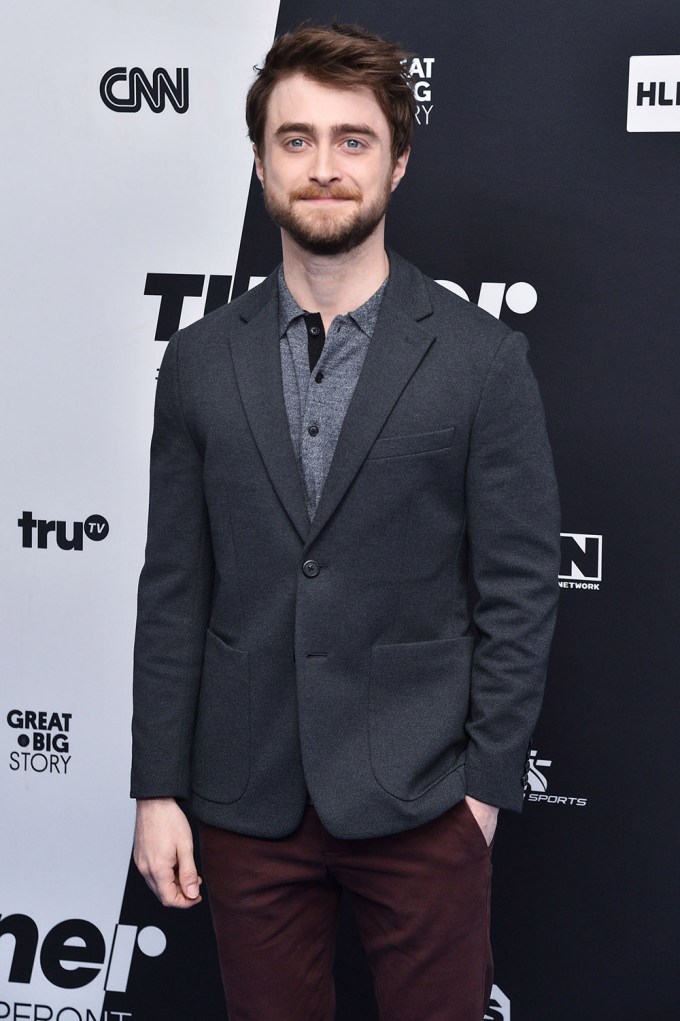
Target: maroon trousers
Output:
{"points": [[420, 899]]}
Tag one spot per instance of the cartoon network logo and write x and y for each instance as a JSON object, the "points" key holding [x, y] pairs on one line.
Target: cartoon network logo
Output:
{"points": [[580, 561], [75, 952], [537, 785], [499, 1006], [654, 93], [123, 91]]}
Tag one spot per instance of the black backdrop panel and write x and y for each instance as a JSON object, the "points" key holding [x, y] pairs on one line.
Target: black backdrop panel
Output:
{"points": [[525, 173]]}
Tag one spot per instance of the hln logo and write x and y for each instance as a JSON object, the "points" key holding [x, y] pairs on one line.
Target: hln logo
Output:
{"points": [[654, 93], [154, 92], [648, 94], [581, 557]]}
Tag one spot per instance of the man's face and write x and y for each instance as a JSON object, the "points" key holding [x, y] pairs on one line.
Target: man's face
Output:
{"points": [[327, 167]]}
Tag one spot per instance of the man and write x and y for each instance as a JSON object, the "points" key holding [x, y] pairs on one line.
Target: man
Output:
{"points": [[351, 579]]}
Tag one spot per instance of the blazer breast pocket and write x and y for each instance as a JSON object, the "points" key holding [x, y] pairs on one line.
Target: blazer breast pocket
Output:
{"points": [[413, 443]]}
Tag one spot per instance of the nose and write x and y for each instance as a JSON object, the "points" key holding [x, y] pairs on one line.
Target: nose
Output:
{"points": [[324, 168]]}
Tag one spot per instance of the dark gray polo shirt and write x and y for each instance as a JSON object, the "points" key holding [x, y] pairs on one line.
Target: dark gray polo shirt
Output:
{"points": [[317, 399]]}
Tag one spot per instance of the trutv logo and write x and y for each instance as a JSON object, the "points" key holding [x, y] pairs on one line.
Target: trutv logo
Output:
{"points": [[66, 537], [127, 98], [75, 952]]}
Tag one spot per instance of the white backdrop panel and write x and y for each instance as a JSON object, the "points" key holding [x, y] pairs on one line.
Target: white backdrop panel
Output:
{"points": [[94, 199]]}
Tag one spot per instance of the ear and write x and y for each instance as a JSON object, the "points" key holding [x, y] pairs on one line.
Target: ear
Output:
{"points": [[259, 165], [399, 168]]}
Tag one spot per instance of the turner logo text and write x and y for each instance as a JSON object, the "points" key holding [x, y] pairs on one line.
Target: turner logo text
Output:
{"points": [[173, 288], [75, 952]]}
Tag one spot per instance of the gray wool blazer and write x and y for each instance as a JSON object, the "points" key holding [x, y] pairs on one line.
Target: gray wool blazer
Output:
{"points": [[389, 656]]}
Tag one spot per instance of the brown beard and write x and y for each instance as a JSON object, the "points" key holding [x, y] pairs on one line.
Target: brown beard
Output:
{"points": [[323, 234]]}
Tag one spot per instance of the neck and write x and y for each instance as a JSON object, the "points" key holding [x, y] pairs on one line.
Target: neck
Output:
{"points": [[335, 284]]}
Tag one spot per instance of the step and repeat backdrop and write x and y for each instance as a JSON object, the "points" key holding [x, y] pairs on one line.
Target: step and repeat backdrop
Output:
{"points": [[543, 186]]}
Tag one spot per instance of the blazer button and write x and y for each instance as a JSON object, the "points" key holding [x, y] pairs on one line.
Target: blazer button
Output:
{"points": [[310, 568]]}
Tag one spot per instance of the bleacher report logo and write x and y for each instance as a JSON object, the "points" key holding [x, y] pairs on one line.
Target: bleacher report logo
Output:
{"points": [[123, 91], [499, 1006], [580, 561], [537, 785], [654, 93], [65, 536], [43, 741]]}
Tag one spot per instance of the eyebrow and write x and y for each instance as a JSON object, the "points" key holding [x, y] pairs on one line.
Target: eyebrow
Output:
{"points": [[292, 127]]}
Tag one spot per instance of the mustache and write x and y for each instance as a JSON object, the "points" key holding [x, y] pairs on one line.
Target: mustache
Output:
{"points": [[311, 191]]}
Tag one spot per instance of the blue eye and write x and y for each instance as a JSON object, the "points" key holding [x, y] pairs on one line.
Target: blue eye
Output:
{"points": [[296, 143], [353, 143]]}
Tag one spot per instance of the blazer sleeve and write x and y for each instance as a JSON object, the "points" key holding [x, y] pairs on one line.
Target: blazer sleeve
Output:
{"points": [[174, 598], [513, 534]]}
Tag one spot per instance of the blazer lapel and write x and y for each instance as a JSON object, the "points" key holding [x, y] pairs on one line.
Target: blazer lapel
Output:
{"points": [[257, 364], [397, 347]]}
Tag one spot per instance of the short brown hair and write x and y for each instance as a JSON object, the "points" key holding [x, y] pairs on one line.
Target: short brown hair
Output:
{"points": [[344, 57]]}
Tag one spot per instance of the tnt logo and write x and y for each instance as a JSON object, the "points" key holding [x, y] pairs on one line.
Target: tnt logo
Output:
{"points": [[499, 1006], [581, 560], [536, 781], [537, 786], [95, 528], [154, 92]]}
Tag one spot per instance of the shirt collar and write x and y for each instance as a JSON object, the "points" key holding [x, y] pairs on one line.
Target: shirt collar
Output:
{"points": [[365, 316]]}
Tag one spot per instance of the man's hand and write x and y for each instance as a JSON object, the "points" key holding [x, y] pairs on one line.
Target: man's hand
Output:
{"points": [[486, 816], [164, 852]]}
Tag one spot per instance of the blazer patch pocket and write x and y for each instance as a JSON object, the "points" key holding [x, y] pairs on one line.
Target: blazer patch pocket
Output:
{"points": [[413, 443], [419, 694], [221, 765]]}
